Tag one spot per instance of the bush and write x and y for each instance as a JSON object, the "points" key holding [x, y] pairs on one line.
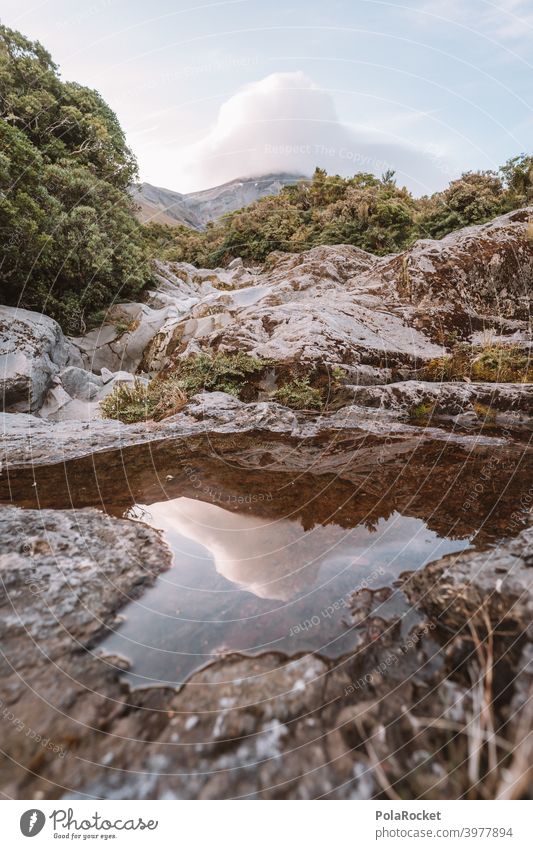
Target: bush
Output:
{"points": [[371, 213], [299, 395], [139, 402], [485, 364]]}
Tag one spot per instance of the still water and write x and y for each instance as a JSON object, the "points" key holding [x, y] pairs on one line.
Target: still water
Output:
{"points": [[273, 541]]}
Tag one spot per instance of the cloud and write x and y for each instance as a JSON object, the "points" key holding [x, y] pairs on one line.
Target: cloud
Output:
{"points": [[286, 123]]}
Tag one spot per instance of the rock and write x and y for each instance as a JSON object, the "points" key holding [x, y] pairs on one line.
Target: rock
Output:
{"points": [[464, 587], [76, 394], [376, 316], [120, 342], [32, 351], [80, 384], [486, 269], [503, 405], [27, 439], [74, 567]]}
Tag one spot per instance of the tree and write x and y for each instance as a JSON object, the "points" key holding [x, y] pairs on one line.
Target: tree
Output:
{"points": [[472, 199], [71, 243]]}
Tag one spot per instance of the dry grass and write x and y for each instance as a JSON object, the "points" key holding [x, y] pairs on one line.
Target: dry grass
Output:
{"points": [[489, 363], [474, 747], [138, 402]]}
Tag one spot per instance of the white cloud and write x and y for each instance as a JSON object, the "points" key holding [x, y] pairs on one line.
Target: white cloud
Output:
{"points": [[285, 122]]}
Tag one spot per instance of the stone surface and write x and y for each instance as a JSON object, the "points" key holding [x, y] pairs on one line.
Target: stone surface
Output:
{"points": [[340, 305], [32, 352], [27, 439], [498, 582], [266, 727], [500, 405]]}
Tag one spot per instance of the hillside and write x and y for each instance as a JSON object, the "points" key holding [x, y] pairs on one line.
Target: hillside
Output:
{"points": [[371, 213], [157, 205]]}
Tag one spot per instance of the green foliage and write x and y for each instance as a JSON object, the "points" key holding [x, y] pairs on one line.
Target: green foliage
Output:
{"points": [[137, 402], [220, 373], [299, 395], [366, 211], [422, 411], [474, 198], [71, 244], [489, 363]]}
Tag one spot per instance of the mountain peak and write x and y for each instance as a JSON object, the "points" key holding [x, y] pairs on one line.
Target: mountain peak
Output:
{"points": [[196, 209]]}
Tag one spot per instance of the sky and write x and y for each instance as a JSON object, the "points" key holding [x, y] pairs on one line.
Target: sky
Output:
{"points": [[212, 91]]}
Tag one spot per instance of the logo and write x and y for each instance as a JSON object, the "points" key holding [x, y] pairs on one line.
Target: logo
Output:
{"points": [[32, 822]]}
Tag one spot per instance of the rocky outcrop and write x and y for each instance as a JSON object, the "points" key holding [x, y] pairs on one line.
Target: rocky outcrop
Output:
{"points": [[28, 439], [490, 405], [495, 585], [378, 319], [32, 352], [485, 269]]}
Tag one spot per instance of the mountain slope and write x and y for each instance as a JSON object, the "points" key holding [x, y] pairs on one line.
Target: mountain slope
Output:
{"points": [[196, 209]]}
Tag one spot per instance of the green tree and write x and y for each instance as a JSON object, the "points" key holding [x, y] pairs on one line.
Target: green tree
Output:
{"points": [[71, 243]]}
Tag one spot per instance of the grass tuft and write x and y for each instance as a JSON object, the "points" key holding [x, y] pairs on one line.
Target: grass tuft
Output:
{"points": [[491, 363], [137, 402]]}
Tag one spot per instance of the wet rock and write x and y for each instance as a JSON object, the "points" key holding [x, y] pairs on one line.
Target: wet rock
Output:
{"points": [[497, 582]]}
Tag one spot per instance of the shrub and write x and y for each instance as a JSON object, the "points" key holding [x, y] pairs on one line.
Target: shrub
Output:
{"points": [[138, 402], [299, 395], [491, 364]]}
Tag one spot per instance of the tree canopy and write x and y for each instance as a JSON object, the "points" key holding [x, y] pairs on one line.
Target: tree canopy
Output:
{"points": [[366, 211], [71, 243]]}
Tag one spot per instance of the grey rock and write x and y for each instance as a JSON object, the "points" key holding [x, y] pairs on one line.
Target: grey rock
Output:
{"points": [[81, 384], [462, 587], [503, 405], [32, 352]]}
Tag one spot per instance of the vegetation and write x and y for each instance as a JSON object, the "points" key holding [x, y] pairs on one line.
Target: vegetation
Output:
{"points": [[237, 374], [366, 211], [139, 401], [71, 244], [299, 395], [491, 363], [169, 392], [424, 410]]}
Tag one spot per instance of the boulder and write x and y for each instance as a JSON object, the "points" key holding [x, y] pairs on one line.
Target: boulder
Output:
{"points": [[32, 352], [120, 342]]}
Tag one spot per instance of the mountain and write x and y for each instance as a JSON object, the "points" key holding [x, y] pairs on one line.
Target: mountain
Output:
{"points": [[163, 206]]}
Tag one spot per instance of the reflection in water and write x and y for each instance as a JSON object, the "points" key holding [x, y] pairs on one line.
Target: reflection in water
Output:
{"points": [[272, 537], [245, 583]]}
